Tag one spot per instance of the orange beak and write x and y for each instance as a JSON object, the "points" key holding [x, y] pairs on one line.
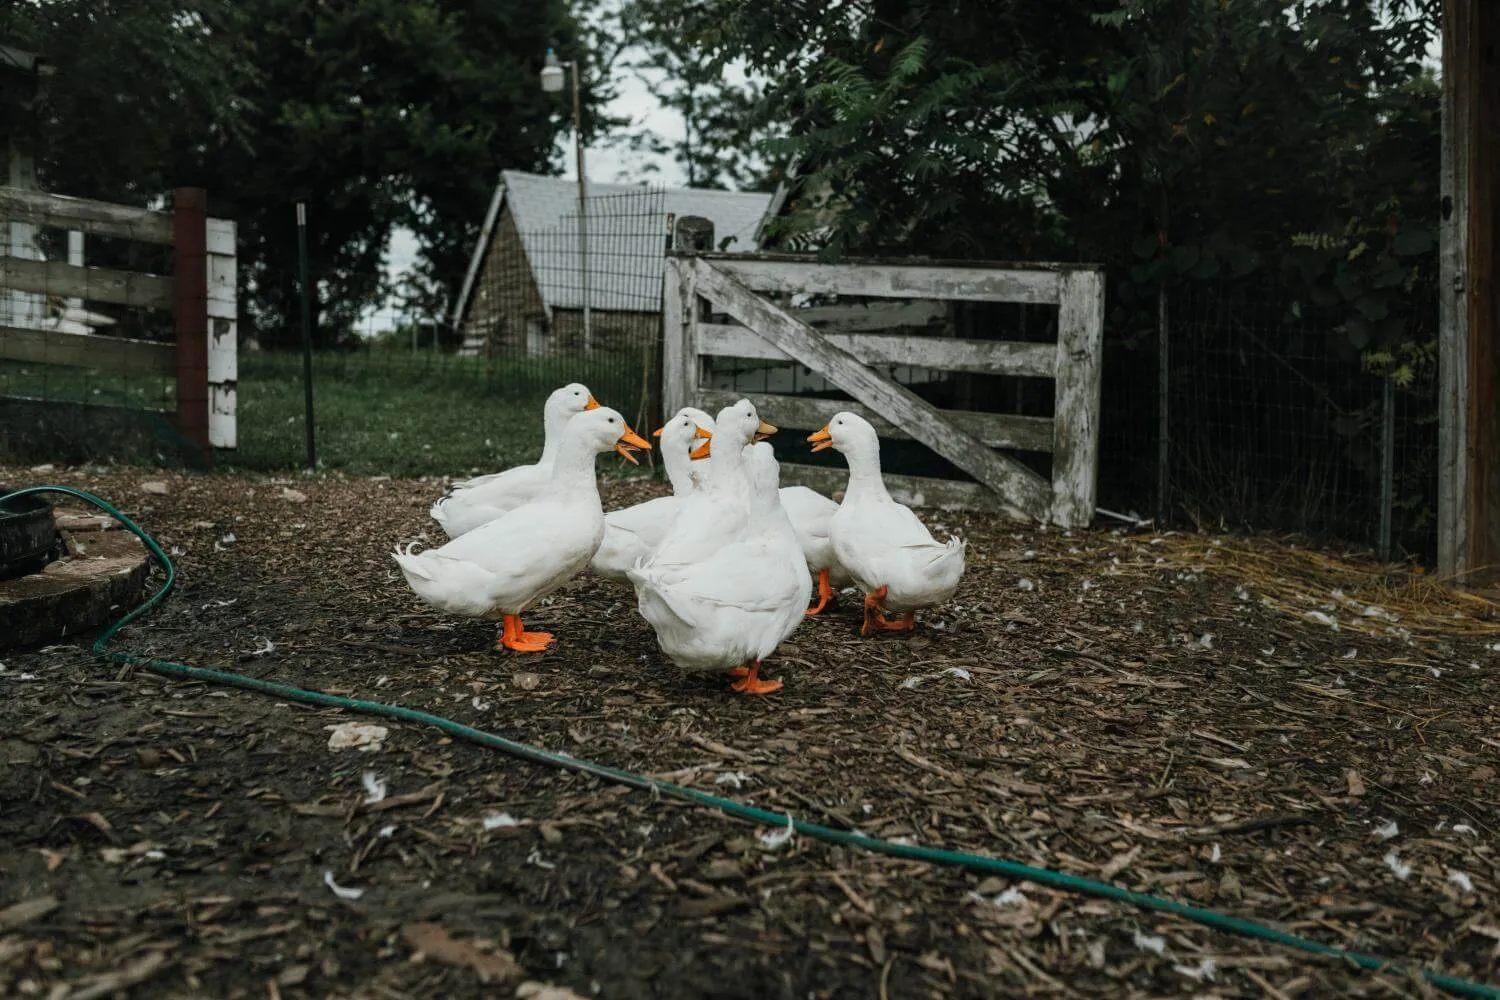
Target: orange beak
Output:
{"points": [[592, 404], [764, 431], [702, 450], [657, 433], [630, 439], [821, 439]]}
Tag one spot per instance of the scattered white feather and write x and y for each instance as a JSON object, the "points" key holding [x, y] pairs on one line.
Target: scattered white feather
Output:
{"points": [[1462, 880], [1387, 830], [499, 821], [1214, 855], [960, 673], [1352, 654], [1011, 897], [734, 779], [1206, 640], [1026, 585], [387, 831], [269, 647], [1400, 868], [776, 839], [1151, 943], [342, 892], [374, 787], [1321, 618], [1464, 828], [1203, 971]]}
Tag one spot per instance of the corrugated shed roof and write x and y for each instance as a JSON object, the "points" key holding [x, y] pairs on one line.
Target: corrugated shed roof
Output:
{"points": [[627, 235]]}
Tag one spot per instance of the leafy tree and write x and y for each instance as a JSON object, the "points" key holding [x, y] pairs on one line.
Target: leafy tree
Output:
{"points": [[726, 124], [1170, 139], [376, 112]]}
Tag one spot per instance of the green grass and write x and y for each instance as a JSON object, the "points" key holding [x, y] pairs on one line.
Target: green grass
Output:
{"points": [[376, 413]]}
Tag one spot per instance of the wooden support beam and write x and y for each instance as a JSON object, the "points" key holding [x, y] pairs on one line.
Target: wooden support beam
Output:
{"points": [[1013, 481], [897, 281], [91, 284], [678, 377], [1080, 366], [997, 430], [992, 357], [86, 350], [190, 313], [1469, 357], [98, 218], [223, 335]]}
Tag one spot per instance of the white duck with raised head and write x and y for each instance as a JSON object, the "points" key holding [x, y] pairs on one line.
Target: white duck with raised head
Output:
{"points": [[884, 546], [501, 568], [632, 533], [731, 610], [716, 514], [476, 501]]}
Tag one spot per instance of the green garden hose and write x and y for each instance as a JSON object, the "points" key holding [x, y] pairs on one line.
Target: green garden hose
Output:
{"points": [[974, 862]]}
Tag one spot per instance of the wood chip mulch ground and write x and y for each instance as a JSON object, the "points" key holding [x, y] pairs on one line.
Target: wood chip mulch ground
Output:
{"points": [[1291, 735]]}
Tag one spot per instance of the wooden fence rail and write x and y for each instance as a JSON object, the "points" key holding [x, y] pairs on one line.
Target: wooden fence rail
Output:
{"points": [[200, 294]]}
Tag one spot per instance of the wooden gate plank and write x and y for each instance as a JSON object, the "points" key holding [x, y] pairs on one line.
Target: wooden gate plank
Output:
{"points": [[91, 284], [998, 430], [948, 354], [1029, 492]]}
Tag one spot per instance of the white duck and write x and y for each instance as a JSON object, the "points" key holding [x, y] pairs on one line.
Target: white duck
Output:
{"points": [[476, 501], [718, 513], [811, 514], [501, 568], [686, 477], [632, 533], [888, 552], [732, 609]]}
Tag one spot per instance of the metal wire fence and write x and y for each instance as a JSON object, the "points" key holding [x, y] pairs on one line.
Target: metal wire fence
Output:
{"points": [[461, 390]]}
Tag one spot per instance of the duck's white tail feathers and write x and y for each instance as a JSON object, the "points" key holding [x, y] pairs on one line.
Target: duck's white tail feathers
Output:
{"points": [[947, 566], [447, 584]]}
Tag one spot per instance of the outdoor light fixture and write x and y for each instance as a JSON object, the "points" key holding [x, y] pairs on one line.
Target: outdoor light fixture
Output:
{"points": [[552, 74]]}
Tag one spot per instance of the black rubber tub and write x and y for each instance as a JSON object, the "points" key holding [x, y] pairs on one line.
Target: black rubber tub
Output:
{"points": [[28, 535]]}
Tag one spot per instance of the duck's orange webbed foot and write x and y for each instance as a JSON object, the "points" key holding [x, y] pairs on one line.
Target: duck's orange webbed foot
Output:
{"points": [[825, 593], [876, 620], [752, 684], [515, 637], [739, 672]]}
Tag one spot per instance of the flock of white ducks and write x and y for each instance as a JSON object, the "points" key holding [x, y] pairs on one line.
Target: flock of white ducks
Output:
{"points": [[723, 569]]}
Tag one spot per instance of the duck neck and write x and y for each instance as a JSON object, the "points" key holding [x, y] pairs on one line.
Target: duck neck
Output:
{"points": [[865, 481], [727, 474], [680, 469], [573, 466], [552, 428]]}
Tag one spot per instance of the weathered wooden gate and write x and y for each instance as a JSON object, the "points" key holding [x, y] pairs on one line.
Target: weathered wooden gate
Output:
{"points": [[736, 286]]}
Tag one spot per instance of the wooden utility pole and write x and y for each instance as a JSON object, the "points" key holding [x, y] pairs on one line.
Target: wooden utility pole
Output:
{"points": [[1469, 362]]}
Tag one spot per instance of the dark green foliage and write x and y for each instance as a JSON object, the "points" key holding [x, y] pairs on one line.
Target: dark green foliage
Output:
{"points": [[726, 123], [1169, 139]]}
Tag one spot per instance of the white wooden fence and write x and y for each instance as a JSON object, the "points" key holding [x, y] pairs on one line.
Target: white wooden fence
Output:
{"points": [[737, 285], [201, 295]]}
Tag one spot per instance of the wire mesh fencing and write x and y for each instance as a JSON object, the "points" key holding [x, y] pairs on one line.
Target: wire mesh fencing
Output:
{"points": [[1274, 420], [458, 389]]}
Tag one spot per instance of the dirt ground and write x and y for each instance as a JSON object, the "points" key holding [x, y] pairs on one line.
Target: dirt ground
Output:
{"points": [[1158, 712]]}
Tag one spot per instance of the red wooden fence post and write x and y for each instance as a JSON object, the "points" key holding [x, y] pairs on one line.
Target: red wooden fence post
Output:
{"points": [[190, 286]]}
